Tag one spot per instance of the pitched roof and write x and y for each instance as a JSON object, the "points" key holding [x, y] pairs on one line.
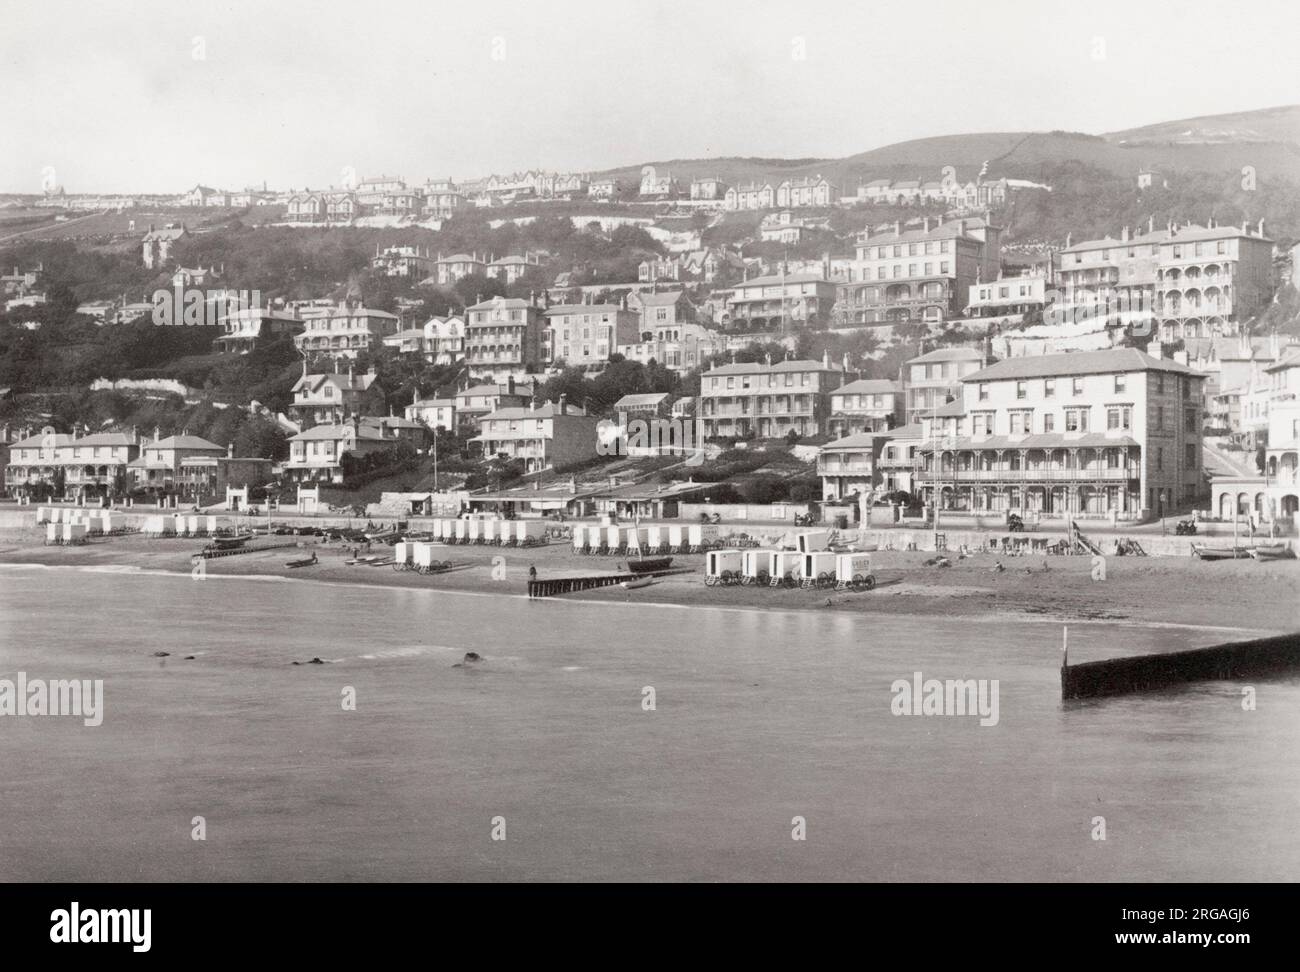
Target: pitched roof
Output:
{"points": [[1105, 361], [948, 230], [490, 389], [166, 233], [757, 367], [546, 410], [776, 278], [910, 431], [660, 300], [105, 439], [581, 309], [39, 440], [859, 440], [1291, 360], [513, 303], [183, 442], [947, 354], [338, 432], [634, 401], [869, 386], [341, 382], [1194, 232], [948, 410]]}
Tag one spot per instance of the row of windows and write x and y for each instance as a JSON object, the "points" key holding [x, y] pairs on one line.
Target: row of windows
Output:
{"points": [[1118, 418], [1021, 421], [1197, 249], [987, 292], [1119, 384], [862, 401], [944, 369], [805, 378], [931, 247], [602, 350]]}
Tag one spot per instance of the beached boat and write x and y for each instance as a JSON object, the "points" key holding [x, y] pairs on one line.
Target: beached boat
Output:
{"points": [[301, 561], [1219, 553], [229, 543], [648, 565], [1276, 551], [632, 585]]}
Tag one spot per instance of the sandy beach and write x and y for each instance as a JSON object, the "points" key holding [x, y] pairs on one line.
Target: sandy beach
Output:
{"points": [[1168, 590]]}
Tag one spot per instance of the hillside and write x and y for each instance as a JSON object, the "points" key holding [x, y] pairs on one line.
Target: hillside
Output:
{"points": [[1281, 124], [1268, 140]]}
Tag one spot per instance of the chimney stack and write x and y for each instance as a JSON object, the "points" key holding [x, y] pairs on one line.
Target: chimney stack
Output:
{"points": [[563, 406], [230, 450], [1261, 227]]}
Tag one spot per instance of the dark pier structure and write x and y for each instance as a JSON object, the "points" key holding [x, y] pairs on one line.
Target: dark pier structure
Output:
{"points": [[1241, 659]]}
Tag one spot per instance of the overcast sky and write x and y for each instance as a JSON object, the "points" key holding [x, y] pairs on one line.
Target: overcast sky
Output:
{"points": [[153, 96]]}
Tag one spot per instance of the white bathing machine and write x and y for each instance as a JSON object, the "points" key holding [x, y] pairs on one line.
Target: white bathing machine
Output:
{"points": [[74, 532], [755, 567], [783, 566], [853, 570], [817, 568], [529, 533], [723, 566], [403, 551], [158, 526]]}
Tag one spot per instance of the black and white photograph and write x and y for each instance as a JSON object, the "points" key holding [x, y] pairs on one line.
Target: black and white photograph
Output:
{"points": [[649, 443]]}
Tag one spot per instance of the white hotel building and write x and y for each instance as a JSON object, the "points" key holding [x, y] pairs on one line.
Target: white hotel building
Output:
{"points": [[1091, 433]]}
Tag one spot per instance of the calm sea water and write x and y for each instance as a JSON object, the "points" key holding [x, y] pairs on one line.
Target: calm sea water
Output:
{"points": [[759, 718]]}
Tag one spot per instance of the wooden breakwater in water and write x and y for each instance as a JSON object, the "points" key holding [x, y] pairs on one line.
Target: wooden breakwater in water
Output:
{"points": [[1240, 659]]}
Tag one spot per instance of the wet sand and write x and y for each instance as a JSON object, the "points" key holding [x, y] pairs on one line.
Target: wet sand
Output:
{"points": [[1232, 594]]}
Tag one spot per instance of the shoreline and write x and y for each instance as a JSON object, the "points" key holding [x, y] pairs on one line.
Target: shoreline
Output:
{"points": [[1169, 592]]}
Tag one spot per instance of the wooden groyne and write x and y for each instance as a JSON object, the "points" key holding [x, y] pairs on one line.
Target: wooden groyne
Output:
{"points": [[1240, 659], [572, 585], [209, 553]]}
